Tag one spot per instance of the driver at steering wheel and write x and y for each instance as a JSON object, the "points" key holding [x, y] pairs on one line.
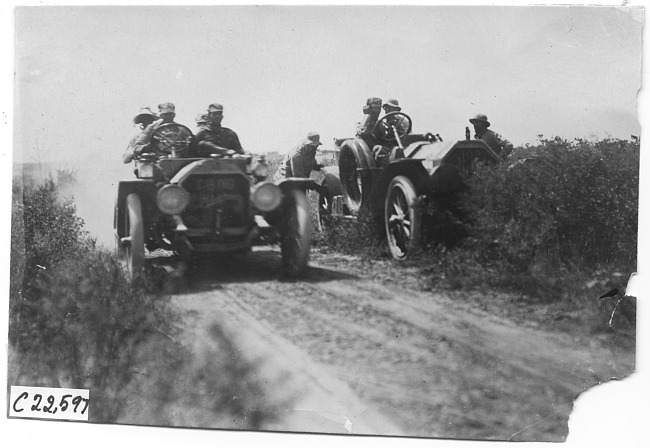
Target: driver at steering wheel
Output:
{"points": [[167, 113], [390, 133], [392, 105]]}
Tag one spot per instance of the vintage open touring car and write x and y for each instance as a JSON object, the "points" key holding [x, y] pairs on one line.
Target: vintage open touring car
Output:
{"points": [[216, 204], [392, 173]]}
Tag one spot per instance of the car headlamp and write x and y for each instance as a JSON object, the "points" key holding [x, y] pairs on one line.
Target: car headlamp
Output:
{"points": [[266, 196], [172, 199], [145, 171]]}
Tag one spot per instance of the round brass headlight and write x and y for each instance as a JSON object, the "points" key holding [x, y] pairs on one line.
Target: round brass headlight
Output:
{"points": [[172, 199], [266, 196]]}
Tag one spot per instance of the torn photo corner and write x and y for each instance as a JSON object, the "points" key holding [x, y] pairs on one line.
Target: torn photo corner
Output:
{"points": [[456, 261]]}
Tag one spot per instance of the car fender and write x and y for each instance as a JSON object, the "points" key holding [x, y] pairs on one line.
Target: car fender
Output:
{"points": [[296, 183], [410, 168]]}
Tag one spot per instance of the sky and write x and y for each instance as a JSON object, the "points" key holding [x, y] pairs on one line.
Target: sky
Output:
{"points": [[82, 73], [72, 80]]}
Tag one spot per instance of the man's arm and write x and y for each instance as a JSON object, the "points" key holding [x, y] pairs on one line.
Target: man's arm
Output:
{"points": [[206, 148], [143, 140], [506, 146], [128, 154], [234, 142]]}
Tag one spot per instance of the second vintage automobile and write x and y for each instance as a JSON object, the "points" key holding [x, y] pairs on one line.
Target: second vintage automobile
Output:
{"points": [[394, 174], [218, 204]]}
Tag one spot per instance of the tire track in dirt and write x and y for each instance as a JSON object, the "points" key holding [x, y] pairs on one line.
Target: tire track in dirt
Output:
{"points": [[321, 403], [393, 360]]}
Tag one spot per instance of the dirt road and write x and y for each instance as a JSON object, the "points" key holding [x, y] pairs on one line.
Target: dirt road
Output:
{"points": [[355, 355]]}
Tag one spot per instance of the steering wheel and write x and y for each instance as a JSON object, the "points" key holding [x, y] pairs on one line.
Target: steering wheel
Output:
{"points": [[399, 121], [172, 137]]}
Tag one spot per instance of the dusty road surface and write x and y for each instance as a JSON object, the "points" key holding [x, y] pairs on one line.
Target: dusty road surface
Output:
{"points": [[358, 355]]}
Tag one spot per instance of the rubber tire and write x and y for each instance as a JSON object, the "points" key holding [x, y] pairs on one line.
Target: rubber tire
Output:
{"points": [[402, 193], [119, 250], [134, 227], [354, 155], [295, 239]]}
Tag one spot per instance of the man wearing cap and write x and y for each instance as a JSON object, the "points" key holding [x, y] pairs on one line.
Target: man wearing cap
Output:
{"points": [[214, 138], [144, 118], [499, 145], [301, 160], [371, 110], [167, 113]]}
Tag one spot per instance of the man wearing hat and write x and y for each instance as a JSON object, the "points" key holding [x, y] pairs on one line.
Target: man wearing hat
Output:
{"points": [[167, 113], [499, 145], [202, 121], [144, 118], [214, 138], [392, 105], [301, 160]]}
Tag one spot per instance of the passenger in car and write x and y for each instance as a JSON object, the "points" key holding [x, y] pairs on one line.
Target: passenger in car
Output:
{"points": [[301, 160], [214, 138], [499, 145], [144, 118], [371, 110], [202, 121], [167, 113]]}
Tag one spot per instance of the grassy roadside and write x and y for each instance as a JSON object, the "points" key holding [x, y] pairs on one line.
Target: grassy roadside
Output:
{"points": [[550, 230], [75, 322]]}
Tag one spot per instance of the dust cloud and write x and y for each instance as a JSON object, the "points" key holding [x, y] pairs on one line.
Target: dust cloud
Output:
{"points": [[94, 193]]}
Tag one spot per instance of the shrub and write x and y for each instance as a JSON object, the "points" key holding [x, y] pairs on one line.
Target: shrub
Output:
{"points": [[352, 236], [76, 322], [555, 209], [74, 319]]}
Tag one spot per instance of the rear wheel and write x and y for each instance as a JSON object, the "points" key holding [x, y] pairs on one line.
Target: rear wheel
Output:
{"points": [[133, 243], [354, 156], [296, 235], [402, 218]]}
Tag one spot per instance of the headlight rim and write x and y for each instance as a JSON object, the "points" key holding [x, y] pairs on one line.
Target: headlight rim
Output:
{"points": [[266, 206], [162, 204]]}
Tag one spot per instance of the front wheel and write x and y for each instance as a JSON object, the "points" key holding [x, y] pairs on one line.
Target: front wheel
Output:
{"points": [[134, 241], [402, 218], [295, 235]]}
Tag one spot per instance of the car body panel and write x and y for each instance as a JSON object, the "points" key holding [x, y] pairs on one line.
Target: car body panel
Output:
{"points": [[220, 215]]}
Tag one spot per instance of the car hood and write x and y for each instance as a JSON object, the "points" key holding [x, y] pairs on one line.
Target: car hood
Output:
{"points": [[450, 152]]}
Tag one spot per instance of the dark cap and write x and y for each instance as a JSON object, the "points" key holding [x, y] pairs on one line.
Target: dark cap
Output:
{"points": [[215, 107], [373, 101], [165, 108]]}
